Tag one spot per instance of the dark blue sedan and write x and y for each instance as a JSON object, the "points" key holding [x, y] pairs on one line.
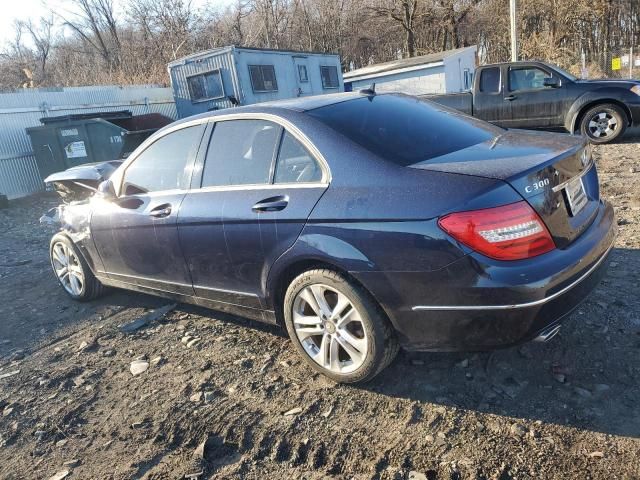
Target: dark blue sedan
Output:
{"points": [[361, 222]]}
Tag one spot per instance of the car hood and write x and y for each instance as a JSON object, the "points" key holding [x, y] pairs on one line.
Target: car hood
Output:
{"points": [[80, 182], [611, 82]]}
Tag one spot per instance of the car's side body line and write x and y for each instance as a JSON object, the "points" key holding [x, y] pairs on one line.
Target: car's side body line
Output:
{"points": [[535, 303]]}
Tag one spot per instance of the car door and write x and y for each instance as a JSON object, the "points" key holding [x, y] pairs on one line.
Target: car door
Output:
{"points": [[530, 102], [259, 184], [136, 233]]}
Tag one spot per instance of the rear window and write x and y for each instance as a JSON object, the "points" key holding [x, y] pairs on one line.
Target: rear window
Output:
{"points": [[402, 129]]}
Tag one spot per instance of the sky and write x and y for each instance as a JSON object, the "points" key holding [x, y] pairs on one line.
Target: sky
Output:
{"points": [[25, 9]]}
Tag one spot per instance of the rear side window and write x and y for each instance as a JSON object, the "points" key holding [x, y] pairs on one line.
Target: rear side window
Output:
{"points": [[404, 130], [295, 164], [490, 80], [164, 164], [240, 153]]}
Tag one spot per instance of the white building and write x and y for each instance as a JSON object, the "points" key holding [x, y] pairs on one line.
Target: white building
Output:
{"points": [[444, 72]]}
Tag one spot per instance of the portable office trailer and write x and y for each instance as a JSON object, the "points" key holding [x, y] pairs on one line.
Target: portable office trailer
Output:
{"points": [[444, 72], [228, 76]]}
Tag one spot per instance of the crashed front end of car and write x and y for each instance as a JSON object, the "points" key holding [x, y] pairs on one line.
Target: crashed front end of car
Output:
{"points": [[76, 185]]}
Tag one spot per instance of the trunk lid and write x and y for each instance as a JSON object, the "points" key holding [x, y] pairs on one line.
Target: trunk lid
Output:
{"points": [[553, 172]]}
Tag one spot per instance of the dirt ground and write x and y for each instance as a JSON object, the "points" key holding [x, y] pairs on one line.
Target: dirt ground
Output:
{"points": [[569, 408]]}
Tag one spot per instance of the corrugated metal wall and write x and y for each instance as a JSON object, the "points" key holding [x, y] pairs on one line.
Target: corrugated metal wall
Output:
{"points": [[21, 109], [221, 59]]}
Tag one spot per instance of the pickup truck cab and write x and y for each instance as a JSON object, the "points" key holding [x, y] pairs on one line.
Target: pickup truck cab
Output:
{"points": [[536, 95]]}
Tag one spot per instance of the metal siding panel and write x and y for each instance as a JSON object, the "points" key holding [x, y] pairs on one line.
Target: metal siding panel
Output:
{"points": [[22, 109], [222, 61], [418, 82]]}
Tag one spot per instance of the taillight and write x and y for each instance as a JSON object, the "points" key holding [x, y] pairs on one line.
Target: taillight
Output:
{"points": [[509, 232]]}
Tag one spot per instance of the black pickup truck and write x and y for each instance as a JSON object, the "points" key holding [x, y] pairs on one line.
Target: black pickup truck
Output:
{"points": [[540, 95]]}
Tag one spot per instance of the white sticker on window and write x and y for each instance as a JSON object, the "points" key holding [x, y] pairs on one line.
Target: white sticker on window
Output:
{"points": [[75, 150]]}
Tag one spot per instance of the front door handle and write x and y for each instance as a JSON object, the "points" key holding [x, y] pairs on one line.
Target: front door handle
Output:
{"points": [[161, 211], [271, 204], [510, 98]]}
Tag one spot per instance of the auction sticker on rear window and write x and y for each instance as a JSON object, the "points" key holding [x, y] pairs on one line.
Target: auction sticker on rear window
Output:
{"points": [[576, 195]]}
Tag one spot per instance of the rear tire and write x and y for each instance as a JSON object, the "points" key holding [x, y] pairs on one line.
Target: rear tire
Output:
{"points": [[71, 270], [603, 123], [337, 327]]}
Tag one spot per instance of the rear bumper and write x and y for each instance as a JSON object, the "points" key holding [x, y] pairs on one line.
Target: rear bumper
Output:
{"points": [[479, 304]]}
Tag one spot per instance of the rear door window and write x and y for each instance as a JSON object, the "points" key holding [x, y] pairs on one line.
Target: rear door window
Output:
{"points": [[490, 80], [402, 129], [241, 152]]}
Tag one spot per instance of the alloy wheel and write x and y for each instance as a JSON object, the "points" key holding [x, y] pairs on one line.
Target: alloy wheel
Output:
{"points": [[330, 328], [602, 124], [68, 269]]}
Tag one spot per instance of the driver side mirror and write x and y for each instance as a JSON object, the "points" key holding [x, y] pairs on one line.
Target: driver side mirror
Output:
{"points": [[551, 82], [106, 190]]}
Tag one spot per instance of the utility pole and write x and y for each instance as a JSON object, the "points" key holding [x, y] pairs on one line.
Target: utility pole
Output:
{"points": [[514, 33]]}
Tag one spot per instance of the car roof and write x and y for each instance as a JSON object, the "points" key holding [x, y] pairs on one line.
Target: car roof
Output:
{"points": [[299, 104]]}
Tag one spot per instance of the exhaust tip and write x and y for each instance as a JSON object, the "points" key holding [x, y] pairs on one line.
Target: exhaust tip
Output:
{"points": [[547, 334]]}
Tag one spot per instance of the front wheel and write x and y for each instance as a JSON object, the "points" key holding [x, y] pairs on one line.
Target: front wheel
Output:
{"points": [[337, 327], [603, 123], [72, 271]]}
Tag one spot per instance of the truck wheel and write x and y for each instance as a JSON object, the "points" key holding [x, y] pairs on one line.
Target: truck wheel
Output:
{"points": [[72, 271], [337, 327], [603, 123]]}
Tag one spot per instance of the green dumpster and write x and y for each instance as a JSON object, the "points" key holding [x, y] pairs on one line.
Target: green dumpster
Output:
{"points": [[69, 140]]}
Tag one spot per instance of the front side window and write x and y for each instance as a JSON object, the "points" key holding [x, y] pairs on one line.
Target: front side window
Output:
{"points": [[329, 75], [490, 80], [404, 130], [240, 153], [295, 164], [528, 78], [205, 86], [164, 165], [263, 78]]}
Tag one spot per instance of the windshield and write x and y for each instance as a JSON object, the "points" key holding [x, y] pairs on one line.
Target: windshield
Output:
{"points": [[402, 129]]}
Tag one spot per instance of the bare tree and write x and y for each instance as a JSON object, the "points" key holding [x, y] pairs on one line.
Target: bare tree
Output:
{"points": [[404, 12]]}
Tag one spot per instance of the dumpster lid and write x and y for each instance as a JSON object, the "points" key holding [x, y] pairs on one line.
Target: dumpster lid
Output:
{"points": [[119, 115]]}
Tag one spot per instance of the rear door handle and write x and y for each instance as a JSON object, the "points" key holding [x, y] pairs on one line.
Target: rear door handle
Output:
{"points": [[161, 211], [510, 97], [271, 204]]}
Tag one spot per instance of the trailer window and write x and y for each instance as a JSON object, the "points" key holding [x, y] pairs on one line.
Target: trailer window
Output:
{"points": [[205, 86], [329, 76], [263, 78], [302, 73], [490, 80]]}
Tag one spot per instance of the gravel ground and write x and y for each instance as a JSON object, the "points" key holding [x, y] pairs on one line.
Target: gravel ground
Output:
{"points": [[239, 403]]}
